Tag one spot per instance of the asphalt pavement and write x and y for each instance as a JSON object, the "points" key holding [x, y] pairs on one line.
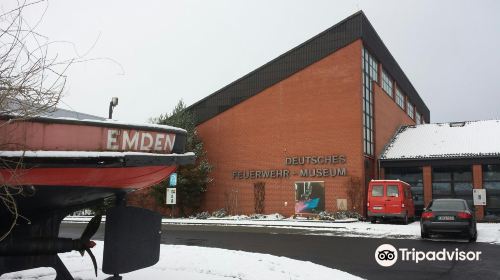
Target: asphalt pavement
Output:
{"points": [[354, 255]]}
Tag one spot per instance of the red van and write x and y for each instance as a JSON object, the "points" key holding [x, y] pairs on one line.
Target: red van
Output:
{"points": [[390, 199]]}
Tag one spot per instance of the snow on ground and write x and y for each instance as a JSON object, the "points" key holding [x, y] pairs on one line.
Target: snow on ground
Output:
{"points": [[263, 222], [487, 232], [193, 263]]}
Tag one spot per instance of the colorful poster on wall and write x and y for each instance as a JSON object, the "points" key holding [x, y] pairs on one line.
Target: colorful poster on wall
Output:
{"points": [[309, 197]]}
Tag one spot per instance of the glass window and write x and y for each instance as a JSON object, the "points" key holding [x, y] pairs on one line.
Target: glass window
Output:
{"points": [[441, 175], [418, 119], [492, 205], [462, 175], [387, 83], [370, 74], [491, 172], [392, 191], [400, 99], [463, 188], [491, 182], [378, 191], [441, 188], [452, 182], [411, 175], [417, 190], [409, 109], [492, 188], [451, 205]]}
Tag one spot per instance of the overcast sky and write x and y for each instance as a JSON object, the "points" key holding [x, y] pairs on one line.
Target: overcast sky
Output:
{"points": [[157, 52]]}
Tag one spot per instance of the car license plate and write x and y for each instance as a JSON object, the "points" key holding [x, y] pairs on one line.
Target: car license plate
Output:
{"points": [[446, 218], [377, 207]]}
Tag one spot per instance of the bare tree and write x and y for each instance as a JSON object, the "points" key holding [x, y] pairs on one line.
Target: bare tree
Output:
{"points": [[31, 84], [355, 194]]}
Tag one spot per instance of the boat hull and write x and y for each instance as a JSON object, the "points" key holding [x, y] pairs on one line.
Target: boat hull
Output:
{"points": [[64, 164], [127, 178], [50, 167], [44, 182]]}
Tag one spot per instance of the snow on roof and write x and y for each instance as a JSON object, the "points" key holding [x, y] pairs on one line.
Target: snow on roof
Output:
{"points": [[68, 115], [63, 113], [445, 140], [120, 123]]}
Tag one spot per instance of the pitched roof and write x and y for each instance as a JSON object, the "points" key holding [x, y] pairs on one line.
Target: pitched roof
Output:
{"points": [[327, 42], [471, 139]]}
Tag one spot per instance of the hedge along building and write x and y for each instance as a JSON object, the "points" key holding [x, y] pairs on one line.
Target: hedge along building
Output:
{"points": [[309, 124]]}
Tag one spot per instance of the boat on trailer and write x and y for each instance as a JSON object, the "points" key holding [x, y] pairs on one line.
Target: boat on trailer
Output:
{"points": [[53, 166]]}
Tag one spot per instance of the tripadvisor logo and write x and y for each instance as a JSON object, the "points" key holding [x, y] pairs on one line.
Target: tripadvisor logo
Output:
{"points": [[387, 255]]}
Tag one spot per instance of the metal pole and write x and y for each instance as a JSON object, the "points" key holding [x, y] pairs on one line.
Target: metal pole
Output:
{"points": [[110, 110]]}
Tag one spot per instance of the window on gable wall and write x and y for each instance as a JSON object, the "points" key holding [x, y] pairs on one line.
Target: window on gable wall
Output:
{"points": [[400, 99], [387, 83], [409, 109], [418, 119], [369, 75]]}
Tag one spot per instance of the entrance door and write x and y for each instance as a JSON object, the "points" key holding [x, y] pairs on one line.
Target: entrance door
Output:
{"points": [[491, 182], [309, 197], [452, 182]]}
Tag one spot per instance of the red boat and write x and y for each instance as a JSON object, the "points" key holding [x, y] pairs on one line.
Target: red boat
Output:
{"points": [[65, 163], [51, 167]]}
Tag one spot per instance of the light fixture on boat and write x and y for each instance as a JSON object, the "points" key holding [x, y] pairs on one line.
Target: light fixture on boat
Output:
{"points": [[112, 104]]}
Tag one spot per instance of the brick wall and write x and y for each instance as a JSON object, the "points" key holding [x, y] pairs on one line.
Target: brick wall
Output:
{"points": [[477, 175], [389, 117], [316, 111], [427, 174], [143, 199]]}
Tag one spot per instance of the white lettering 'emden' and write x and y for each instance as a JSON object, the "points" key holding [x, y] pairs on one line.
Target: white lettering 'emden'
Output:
{"points": [[139, 141]]}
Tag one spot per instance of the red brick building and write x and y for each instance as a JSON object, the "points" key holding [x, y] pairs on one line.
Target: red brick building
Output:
{"points": [[309, 124]]}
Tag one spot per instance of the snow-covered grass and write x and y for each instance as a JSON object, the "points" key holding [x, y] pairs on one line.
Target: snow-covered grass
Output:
{"points": [[262, 222], [271, 219], [193, 263], [487, 232]]}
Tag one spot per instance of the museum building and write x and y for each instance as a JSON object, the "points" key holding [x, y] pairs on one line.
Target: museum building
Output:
{"points": [[308, 126], [448, 160]]}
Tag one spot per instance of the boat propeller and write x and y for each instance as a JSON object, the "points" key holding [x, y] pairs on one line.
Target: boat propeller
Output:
{"points": [[86, 243]]}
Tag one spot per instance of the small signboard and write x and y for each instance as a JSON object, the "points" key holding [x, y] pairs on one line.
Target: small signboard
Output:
{"points": [[479, 196], [341, 204], [173, 179], [171, 196]]}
